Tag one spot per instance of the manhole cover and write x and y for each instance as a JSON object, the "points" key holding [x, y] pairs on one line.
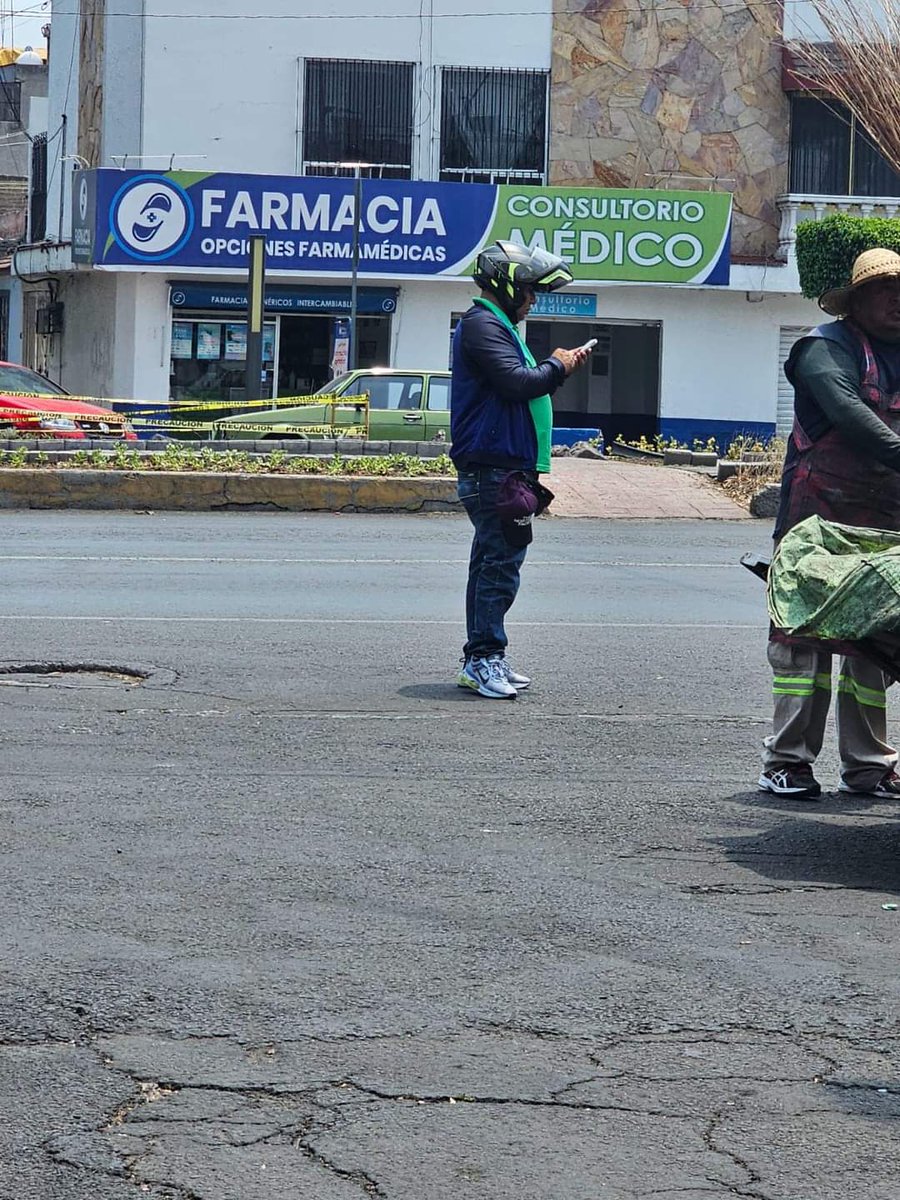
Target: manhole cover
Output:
{"points": [[48, 674]]}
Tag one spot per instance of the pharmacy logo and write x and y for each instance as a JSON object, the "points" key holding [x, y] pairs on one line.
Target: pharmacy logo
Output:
{"points": [[151, 218]]}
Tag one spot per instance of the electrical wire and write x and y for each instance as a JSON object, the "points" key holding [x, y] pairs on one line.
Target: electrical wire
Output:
{"points": [[667, 6]]}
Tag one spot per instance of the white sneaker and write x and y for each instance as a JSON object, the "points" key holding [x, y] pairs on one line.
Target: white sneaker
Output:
{"points": [[519, 681], [794, 781], [487, 677]]}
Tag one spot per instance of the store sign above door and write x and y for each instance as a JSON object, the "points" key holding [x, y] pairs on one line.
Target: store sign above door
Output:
{"points": [[138, 220], [564, 303], [324, 302]]}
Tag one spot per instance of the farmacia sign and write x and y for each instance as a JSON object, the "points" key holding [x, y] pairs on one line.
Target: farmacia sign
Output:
{"points": [[152, 221]]}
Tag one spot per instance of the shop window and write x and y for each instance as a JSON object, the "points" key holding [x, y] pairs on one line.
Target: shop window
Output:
{"points": [[358, 111], [493, 125], [209, 360], [832, 155]]}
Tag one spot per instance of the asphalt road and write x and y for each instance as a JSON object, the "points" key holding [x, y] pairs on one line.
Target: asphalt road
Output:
{"points": [[297, 918]]}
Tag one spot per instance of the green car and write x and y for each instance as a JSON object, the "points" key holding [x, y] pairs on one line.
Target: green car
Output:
{"points": [[404, 406]]}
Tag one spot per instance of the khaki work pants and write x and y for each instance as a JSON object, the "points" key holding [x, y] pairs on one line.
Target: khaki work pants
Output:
{"points": [[802, 692]]}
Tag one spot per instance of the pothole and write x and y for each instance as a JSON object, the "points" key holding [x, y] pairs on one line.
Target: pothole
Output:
{"points": [[73, 675]]}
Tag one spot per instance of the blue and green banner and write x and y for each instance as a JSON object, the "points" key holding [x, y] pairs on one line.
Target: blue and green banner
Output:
{"points": [[623, 236], [160, 221]]}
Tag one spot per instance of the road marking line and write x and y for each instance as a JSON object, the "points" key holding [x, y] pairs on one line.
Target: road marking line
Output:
{"points": [[377, 621], [376, 562]]}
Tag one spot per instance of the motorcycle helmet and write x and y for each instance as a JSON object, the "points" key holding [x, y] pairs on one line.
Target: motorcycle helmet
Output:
{"points": [[506, 269]]}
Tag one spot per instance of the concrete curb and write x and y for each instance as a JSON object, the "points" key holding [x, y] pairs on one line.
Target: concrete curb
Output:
{"points": [[728, 467], [689, 458], [199, 491]]}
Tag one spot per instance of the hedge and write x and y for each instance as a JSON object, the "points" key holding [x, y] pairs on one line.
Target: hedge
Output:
{"points": [[826, 249]]}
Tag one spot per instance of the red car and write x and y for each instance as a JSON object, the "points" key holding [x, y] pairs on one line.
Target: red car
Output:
{"points": [[31, 406]]}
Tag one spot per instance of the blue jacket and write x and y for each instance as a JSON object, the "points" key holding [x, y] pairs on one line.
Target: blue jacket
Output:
{"points": [[491, 386]]}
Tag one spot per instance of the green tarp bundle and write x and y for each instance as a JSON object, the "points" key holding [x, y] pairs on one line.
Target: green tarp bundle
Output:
{"points": [[833, 581]]}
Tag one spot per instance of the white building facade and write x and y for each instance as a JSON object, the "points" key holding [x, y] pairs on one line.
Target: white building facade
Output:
{"points": [[174, 140]]}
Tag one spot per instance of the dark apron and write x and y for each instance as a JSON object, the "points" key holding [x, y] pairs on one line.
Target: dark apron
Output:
{"points": [[832, 480]]}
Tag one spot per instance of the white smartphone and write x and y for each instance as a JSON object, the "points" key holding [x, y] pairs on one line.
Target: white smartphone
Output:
{"points": [[589, 345]]}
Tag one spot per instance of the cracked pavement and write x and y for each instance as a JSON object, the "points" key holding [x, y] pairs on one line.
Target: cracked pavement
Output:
{"points": [[295, 917]]}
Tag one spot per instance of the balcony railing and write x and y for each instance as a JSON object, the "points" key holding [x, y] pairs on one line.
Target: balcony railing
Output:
{"points": [[492, 175], [344, 170], [795, 208]]}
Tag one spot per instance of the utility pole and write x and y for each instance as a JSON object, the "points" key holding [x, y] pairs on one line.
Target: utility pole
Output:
{"points": [[256, 304], [354, 275]]}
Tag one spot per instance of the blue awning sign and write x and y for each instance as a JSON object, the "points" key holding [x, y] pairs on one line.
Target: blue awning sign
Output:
{"points": [[324, 301]]}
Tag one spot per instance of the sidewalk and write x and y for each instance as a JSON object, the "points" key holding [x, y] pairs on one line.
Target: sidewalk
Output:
{"points": [[599, 488], [587, 487]]}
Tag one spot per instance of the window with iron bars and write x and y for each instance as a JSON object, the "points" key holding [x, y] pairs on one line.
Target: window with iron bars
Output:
{"points": [[493, 126], [358, 112], [37, 225], [831, 153], [10, 102]]}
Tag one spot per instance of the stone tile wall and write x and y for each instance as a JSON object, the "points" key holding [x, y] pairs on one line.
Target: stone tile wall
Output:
{"points": [[673, 94]]}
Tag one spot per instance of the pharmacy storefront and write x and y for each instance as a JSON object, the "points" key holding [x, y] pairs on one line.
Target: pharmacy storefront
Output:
{"points": [[646, 267], [302, 327]]}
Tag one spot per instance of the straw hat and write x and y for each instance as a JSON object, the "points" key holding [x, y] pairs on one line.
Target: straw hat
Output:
{"points": [[871, 264]]}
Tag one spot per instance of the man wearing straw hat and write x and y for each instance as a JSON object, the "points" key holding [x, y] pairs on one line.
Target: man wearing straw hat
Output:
{"points": [[842, 464]]}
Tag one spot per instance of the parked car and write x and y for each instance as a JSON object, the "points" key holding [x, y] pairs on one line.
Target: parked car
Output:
{"points": [[403, 406], [31, 406]]}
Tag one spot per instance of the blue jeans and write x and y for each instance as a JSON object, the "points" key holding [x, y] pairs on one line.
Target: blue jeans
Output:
{"points": [[493, 565]]}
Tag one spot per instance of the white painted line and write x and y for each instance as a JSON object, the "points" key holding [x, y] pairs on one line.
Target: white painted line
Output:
{"points": [[409, 621], [377, 562], [454, 713]]}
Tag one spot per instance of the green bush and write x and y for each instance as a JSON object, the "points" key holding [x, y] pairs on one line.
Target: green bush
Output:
{"points": [[826, 249], [178, 456]]}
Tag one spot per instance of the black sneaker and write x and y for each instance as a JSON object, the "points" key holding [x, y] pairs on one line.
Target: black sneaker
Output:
{"points": [[798, 782], [887, 788]]}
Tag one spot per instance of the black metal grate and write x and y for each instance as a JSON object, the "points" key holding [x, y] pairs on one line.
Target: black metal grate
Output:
{"points": [[493, 125], [358, 111], [37, 229]]}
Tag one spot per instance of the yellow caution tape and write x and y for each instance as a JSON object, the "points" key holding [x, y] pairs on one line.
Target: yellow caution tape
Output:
{"points": [[36, 395], [119, 422], [110, 418], [335, 431], [361, 401], [142, 424], [325, 400]]}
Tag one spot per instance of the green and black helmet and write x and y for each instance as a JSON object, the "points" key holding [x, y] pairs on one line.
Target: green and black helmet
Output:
{"points": [[506, 269]]}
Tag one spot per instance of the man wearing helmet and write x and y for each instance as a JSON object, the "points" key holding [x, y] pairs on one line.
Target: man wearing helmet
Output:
{"points": [[501, 426]]}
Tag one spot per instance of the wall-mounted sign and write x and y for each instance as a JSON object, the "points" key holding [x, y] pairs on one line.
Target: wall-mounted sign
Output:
{"points": [[407, 229], [321, 301], [340, 348], [564, 304]]}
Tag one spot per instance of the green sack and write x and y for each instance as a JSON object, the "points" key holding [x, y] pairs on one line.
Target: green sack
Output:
{"points": [[835, 581]]}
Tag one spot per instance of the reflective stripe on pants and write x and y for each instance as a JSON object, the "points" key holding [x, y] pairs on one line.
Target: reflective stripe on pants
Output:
{"points": [[801, 689]]}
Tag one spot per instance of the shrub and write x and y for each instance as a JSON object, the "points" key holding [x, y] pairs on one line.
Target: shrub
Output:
{"points": [[826, 249], [181, 457]]}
